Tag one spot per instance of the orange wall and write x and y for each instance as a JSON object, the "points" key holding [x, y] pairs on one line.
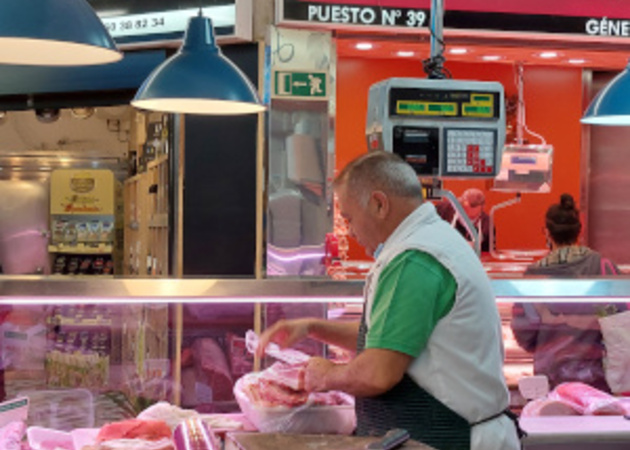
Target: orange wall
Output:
{"points": [[553, 100]]}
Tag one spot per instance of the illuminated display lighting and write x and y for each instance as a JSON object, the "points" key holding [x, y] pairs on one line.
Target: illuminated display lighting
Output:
{"points": [[172, 300]]}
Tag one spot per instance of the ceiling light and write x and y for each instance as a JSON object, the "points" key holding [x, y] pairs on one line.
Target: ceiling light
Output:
{"points": [[364, 46], [491, 57], [198, 79], [53, 33], [458, 51], [405, 54], [47, 115], [611, 106], [577, 61], [548, 55], [82, 113]]}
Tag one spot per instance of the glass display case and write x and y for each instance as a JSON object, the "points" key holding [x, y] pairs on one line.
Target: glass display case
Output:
{"points": [[90, 351]]}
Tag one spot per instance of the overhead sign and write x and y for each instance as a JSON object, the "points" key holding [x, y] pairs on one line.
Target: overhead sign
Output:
{"points": [[162, 20], [300, 84], [601, 18]]}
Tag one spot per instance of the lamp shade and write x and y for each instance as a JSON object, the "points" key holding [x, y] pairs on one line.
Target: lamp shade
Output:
{"points": [[198, 79], [53, 32], [611, 105]]}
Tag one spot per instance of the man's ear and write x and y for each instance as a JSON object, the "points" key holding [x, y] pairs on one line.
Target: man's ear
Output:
{"points": [[380, 204]]}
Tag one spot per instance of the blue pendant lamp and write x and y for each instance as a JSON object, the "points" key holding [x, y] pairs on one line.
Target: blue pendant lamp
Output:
{"points": [[198, 79], [53, 33], [611, 106]]}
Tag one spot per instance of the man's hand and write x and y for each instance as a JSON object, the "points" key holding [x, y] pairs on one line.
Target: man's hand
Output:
{"points": [[285, 333], [315, 377], [373, 372]]}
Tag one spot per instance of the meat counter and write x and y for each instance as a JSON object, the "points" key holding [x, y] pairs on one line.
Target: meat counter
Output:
{"points": [[89, 351]]}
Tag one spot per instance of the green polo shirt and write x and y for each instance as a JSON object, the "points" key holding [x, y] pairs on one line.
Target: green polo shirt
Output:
{"points": [[414, 292]]}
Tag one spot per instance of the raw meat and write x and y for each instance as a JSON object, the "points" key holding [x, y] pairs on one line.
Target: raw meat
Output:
{"points": [[265, 392], [289, 375], [212, 369], [267, 389], [587, 400], [332, 398], [149, 430], [548, 407]]}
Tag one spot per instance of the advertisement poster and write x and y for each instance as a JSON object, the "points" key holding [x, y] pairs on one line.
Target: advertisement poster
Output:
{"points": [[82, 192]]}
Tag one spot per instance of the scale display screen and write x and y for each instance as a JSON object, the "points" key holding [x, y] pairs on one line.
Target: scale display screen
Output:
{"points": [[463, 104]]}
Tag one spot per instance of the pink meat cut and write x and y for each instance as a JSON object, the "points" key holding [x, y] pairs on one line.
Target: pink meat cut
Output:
{"points": [[149, 430], [282, 384], [587, 400], [549, 407], [287, 375]]}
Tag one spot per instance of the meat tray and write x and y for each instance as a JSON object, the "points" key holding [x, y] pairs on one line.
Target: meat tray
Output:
{"points": [[305, 419]]}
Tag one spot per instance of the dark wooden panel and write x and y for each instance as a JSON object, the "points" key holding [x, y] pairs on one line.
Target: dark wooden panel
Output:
{"points": [[220, 186]]}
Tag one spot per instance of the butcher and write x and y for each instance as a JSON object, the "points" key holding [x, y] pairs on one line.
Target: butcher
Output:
{"points": [[429, 349]]}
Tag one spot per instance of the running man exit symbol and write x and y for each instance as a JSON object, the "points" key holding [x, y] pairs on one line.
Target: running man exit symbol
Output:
{"points": [[300, 84]]}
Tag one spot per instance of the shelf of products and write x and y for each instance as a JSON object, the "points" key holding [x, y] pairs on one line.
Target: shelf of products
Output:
{"points": [[146, 200]]}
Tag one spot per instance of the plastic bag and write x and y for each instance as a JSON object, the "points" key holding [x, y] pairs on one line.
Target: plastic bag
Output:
{"points": [[616, 332], [11, 435], [274, 399], [306, 416], [288, 355]]}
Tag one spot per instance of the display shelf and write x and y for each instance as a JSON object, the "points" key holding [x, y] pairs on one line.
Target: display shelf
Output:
{"points": [[100, 249], [144, 330], [147, 220]]}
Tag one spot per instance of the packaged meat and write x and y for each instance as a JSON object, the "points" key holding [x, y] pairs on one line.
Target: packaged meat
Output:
{"points": [[587, 400], [272, 407], [195, 434]]}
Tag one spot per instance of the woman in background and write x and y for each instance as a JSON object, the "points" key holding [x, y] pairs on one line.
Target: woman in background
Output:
{"points": [[567, 257], [565, 338]]}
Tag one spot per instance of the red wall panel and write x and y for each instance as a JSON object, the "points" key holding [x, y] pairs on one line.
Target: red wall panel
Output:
{"points": [[553, 108]]}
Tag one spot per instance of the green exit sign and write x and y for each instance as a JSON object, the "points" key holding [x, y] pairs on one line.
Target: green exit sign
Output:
{"points": [[300, 84]]}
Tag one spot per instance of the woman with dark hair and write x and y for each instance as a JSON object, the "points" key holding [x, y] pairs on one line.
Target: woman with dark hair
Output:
{"points": [[565, 338], [567, 257]]}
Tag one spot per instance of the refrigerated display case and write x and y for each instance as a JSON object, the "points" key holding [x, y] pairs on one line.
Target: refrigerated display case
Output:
{"points": [[123, 341]]}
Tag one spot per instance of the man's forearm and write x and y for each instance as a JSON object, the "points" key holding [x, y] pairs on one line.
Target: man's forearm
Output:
{"points": [[371, 373], [341, 334]]}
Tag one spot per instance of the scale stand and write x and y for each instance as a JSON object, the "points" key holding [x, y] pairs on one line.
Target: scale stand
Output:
{"points": [[463, 217]]}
